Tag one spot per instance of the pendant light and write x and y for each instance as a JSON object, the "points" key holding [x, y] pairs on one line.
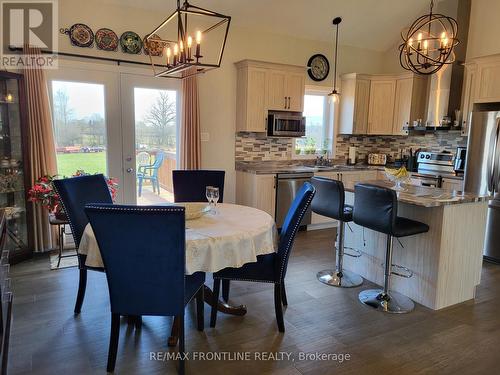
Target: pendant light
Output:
{"points": [[335, 95], [193, 41], [428, 44]]}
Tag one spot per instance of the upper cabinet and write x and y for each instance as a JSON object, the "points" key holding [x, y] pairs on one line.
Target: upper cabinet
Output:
{"points": [[381, 107], [381, 104], [481, 85], [265, 86], [354, 104], [409, 105]]}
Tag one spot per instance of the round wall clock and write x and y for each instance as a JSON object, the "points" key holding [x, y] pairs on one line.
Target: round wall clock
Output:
{"points": [[318, 67]]}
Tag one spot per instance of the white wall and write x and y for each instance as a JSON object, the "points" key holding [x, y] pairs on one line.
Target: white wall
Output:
{"points": [[484, 29], [218, 87]]}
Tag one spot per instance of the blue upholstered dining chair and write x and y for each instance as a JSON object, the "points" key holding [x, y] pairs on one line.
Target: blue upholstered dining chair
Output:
{"points": [[143, 249], [190, 185], [75, 193], [271, 268], [150, 173]]}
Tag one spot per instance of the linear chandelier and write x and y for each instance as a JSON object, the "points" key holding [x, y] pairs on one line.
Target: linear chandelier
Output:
{"points": [[193, 41], [428, 44]]}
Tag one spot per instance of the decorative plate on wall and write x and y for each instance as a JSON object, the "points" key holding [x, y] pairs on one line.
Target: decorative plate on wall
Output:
{"points": [[80, 35], [318, 67], [155, 48], [106, 39], [131, 42]]}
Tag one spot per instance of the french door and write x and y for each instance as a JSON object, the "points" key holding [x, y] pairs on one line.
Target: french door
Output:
{"points": [[123, 125]]}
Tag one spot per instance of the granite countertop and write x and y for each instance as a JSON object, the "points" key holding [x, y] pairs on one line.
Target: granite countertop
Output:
{"points": [[271, 168], [426, 196]]}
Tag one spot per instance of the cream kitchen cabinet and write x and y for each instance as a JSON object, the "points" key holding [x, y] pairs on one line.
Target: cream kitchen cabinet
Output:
{"points": [[276, 90], [453, 184], [256, 190], [286, 90], [468, 96], [354, 103], [265, 86], [381, 107], [409, 105], [251, 100]]}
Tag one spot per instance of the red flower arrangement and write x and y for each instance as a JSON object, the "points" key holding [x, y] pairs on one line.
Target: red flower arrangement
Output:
{"points": [[43, 192]]}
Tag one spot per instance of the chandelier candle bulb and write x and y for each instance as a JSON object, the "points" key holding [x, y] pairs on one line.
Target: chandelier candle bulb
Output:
{"points": [[419, 38], [176, 52], [169, 53], [189, 44], [198, 44], [181, 48]]}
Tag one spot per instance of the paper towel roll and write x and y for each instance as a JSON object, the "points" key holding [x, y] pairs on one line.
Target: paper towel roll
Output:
{"points": [[352, 155]]}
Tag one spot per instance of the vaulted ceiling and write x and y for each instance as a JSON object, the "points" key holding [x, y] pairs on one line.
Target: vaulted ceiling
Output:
{"points": [[370, 24]]}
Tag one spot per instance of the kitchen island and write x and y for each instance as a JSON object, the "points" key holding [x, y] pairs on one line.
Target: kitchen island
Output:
{"points": [[446, 262]]}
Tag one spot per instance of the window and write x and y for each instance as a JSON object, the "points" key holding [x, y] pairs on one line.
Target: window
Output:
{"points": [[318, 138], [79, 127]]}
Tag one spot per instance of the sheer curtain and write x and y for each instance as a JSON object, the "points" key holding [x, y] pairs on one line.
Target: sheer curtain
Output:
{"points": [[190, 146], [42, 157]]}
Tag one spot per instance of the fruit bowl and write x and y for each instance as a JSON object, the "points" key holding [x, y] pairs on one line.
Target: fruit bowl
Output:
{"points": [[398, 176]]}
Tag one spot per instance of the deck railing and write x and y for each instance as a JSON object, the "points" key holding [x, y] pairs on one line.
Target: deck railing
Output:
{"points": [[165, 172]]}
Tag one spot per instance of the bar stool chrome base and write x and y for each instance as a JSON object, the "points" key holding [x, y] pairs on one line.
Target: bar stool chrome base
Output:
{"points": [[347, 279], [393, 302]]}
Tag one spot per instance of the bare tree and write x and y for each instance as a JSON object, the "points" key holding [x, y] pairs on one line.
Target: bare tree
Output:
{"points": [[161, 117], [63, 114]]}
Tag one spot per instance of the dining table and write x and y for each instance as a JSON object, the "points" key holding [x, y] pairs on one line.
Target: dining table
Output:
{"points": [[228, 235]]}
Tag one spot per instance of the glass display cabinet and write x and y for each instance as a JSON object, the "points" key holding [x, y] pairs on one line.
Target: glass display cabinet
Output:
{"points": [[14, 179]]}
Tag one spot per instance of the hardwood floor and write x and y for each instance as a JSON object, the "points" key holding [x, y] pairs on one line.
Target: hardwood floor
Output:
{"points": [[48, 339]]}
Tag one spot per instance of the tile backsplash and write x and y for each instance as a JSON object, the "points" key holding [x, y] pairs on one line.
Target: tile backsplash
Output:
{"points": [[391, 145], [258, 147]]}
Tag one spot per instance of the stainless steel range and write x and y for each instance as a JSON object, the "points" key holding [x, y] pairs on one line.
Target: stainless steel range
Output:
{"points": [[433, 166]]}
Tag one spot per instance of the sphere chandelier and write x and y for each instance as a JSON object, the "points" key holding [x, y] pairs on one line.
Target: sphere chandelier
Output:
{"points": [[428, 44]]}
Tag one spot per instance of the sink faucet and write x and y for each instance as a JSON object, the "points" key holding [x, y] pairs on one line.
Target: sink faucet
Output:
{"points": [[321, 161]]}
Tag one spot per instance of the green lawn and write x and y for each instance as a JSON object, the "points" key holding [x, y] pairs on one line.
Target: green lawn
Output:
{"points": [[68, 164]]}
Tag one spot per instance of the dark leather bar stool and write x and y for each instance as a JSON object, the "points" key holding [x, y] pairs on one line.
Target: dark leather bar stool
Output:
{"points": [[329, 202], [376, 208]]}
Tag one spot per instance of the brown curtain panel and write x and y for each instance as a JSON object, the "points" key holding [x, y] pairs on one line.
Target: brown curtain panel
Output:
{"points": [[42, 156], [190, 127]]}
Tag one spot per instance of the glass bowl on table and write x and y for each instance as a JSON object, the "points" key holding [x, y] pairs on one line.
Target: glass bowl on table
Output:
{"points": [[398, 177]]}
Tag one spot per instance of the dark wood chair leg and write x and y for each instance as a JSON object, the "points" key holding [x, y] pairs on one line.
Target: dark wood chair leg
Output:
{"points": [[174, 333], [278, 308], [283, 295], [225, 290], [181, 345], [113, 342], [200, 309], [82, 285], [213, 314]]}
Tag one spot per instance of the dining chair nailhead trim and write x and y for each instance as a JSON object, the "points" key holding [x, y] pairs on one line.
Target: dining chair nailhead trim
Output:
{"points": [[239, 279], [295, 231], [139, 209]]}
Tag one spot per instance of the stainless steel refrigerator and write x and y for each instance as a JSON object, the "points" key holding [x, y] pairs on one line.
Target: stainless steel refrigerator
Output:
{"points": [[482, 173]]}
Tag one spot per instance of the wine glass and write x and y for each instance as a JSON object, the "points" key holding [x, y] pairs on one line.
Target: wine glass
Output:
{"points": [[215, 197], [209, 194]]}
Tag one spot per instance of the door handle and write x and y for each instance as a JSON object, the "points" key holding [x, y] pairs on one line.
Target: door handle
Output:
{"points": [[288, 102], [130, 170], [491, 164], [285, 102]]}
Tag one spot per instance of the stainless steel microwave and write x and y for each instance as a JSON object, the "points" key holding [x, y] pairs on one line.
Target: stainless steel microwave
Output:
{"points": [[286, 124]]}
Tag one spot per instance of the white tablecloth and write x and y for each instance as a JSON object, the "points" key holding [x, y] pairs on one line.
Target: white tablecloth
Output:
{"points": [[235, 235]]}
